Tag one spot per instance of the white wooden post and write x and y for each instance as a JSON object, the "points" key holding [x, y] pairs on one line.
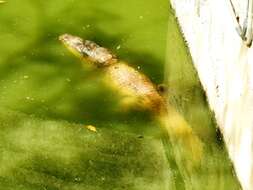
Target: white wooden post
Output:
{"points": [[225, 67]]}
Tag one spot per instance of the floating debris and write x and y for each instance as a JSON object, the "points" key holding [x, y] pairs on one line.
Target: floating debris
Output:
{"points": [[78, 179], [91, 128], [29, 98]]}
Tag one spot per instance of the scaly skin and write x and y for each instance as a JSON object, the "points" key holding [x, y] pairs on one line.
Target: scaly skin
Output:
{"points": [[134, 85], [128, 81]]}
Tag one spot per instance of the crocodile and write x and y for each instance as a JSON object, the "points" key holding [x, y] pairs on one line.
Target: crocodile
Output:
{"points": [[137, 88]]}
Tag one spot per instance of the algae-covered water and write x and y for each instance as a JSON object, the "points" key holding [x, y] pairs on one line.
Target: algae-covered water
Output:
{"points": [[48, 98]]}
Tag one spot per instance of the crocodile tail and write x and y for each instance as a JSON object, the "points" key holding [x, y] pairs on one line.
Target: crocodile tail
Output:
{"points": [[186, 146]]}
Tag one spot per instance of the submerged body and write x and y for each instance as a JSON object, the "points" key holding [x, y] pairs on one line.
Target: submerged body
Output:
{"points": [[136, 88], [129, 82]]}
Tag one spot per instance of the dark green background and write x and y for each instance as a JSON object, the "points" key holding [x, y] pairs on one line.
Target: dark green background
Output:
{"points": [[47, 97]]}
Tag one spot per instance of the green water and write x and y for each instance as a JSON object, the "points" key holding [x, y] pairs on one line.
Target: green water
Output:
{"points": [[47, 98]]}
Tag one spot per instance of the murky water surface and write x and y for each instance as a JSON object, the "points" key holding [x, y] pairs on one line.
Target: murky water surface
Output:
{"points": [[48, 98]]}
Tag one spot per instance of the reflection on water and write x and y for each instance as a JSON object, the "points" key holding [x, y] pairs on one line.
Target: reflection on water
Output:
{"points": [[185, 93], [48, 98]]}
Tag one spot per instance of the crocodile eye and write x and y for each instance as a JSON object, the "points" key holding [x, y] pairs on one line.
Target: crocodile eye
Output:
{"points": [[162, 88]]}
